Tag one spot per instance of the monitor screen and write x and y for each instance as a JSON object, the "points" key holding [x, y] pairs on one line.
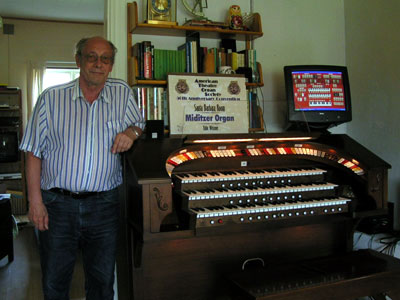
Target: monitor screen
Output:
{"points": [[318, 95]]}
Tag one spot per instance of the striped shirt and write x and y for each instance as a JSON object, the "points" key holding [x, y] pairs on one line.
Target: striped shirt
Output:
{"points": [[73, 138]]}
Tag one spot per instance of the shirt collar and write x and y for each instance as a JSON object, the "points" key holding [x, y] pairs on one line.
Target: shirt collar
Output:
{"points": [[77, 94]]}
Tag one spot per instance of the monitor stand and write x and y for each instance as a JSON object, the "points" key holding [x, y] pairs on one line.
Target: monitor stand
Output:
{"points": [[308, 127]]}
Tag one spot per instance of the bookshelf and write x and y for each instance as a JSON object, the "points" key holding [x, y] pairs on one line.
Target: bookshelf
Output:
{"points": [[12, 175], [135, 27]]}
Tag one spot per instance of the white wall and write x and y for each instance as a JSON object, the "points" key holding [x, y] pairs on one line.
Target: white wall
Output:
{"points": [[296, 32], [372, 53], [37, 42], [3, 58]]}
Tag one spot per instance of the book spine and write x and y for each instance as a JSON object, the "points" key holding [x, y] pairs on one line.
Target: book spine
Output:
{"points": [[173, 61], [147, 68], [183, 61], [194, 57], [144, 103], [155, 101], [136, 56], [229, 58], [190, 57], [216, 67], [152, 61], [223, 57], [156, 64], [241, 60], [165, 104], [164, 65], [235, 61], [160, 104], [137, 95], [150, 103], [141, 65]]}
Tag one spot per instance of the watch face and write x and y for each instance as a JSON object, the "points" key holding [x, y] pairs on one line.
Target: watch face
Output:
{"points": [[161, 7]]}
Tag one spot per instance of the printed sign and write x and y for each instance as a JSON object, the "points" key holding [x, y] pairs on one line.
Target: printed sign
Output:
{"points": [[207, 104]]}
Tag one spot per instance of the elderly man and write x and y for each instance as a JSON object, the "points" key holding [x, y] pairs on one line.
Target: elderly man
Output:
{"points": [[73, 141]]}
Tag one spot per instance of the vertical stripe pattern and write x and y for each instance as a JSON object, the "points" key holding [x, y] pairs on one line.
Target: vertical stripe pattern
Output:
{"points": [[74, 138]]}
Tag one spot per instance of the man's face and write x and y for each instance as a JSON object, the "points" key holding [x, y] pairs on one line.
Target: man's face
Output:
{"points": [[96, 62]]}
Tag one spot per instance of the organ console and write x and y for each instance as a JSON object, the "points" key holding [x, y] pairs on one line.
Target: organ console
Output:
{"points": [[197, 208]]}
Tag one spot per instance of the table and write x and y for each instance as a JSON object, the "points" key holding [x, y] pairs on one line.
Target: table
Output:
{"points": [[6, 231]]}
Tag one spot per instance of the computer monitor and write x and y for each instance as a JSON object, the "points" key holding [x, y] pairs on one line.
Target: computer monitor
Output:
{"points": [[318, 96]]}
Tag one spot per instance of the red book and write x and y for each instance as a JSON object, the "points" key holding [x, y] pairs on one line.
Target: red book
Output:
{"points": [[147, 60]]}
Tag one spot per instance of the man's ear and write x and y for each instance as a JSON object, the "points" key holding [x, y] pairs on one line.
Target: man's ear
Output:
{"points": [[78, 61]]}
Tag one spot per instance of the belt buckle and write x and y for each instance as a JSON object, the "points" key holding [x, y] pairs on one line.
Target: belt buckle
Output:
{"points": [[74, 195]]}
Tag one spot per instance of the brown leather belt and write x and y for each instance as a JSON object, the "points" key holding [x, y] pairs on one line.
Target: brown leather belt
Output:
{"points": [[75, 195]]}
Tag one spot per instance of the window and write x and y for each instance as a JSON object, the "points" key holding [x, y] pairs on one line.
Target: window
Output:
{"points": [[55, 76]]}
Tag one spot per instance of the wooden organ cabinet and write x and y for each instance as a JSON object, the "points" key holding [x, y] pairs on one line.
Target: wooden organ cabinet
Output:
{"points": [[258, 216]]}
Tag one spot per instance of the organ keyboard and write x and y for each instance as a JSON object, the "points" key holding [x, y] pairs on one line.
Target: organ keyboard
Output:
{"points": [[258, 195], [201, 206], [249, 213]]}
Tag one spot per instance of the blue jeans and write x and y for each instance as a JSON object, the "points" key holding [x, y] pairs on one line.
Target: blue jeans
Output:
{"points": [[89, 225]]}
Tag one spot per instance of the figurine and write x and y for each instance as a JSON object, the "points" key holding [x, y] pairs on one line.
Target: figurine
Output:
{"points": [[235, 17]]}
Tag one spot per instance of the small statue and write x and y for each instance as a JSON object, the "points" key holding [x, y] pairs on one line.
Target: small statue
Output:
{"points": [[235, 17]]}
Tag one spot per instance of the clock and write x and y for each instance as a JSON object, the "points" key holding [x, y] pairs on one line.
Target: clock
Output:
{"points": [[161, 12]]}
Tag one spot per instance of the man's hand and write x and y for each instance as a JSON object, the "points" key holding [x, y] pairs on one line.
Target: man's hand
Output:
{"points": [[37, 210], [124, 140], [38, 215]]}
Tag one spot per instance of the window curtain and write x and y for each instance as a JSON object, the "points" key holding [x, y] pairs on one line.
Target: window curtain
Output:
{"points": [[35, 84]]}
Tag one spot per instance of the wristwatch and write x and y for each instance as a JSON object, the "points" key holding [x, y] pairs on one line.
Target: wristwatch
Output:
{"points": [[135, 132]]}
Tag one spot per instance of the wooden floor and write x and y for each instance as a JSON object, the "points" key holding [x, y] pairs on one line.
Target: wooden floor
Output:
{"points": [[21, 279]]}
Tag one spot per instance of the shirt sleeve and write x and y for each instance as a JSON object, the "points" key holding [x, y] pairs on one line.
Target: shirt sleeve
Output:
{"points": [[36, 130]]}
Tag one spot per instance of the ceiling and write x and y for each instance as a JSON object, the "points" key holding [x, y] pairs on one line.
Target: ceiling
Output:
{"points": [[61, 10]]}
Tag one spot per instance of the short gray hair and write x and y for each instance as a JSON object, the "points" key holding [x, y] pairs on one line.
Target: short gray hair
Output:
{"points": [[82, 44]]}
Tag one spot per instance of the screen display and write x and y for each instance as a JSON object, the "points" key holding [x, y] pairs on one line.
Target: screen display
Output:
{"points": [[317, 95], [318, 90]]}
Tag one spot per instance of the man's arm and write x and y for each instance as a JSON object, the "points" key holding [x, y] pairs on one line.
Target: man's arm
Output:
{"points": [[124, 140], [37, 210]]}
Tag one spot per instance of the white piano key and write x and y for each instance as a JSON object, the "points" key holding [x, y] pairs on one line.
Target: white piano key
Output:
{"points": [[262, 174], [271, 208]]}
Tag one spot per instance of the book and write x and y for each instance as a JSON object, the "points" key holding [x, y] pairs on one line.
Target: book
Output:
{"points": [[235, 61], [254, 120], [194, 36], [203, 52], [194, 61], [209, 63], [151, 102], [147, 60], [143, 93], [186, 48], [167, 61], [136, 53], [157, 66]]}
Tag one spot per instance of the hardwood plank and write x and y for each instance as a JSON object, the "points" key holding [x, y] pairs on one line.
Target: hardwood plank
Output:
{"points": [[21, 279]]}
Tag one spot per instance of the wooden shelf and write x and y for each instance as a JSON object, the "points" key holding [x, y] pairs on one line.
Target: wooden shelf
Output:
{"points": [[13, 98], [135, 27], [175, 30]]}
